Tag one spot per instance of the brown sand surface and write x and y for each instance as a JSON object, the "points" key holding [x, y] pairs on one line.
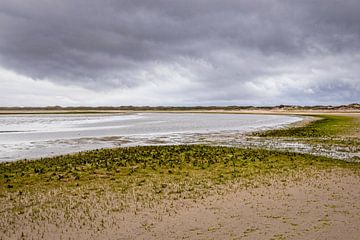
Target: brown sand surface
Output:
{"points": [[323, 206], [316, 204]]}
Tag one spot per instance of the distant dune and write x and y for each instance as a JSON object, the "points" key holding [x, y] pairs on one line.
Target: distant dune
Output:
{"points": [[347, 108]]}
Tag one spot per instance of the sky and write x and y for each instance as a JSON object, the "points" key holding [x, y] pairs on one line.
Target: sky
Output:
{"points": [[179, 53]]}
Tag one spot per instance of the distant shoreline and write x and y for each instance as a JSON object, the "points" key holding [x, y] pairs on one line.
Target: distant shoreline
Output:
{"points": [[280, 109], [125, 129], [222, 111]]}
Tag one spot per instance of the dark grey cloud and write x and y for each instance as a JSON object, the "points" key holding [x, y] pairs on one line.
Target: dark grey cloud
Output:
{"points": [[219, 51]]}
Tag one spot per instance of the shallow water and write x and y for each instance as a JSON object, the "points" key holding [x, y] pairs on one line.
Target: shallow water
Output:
{"points": [[34, 136]]}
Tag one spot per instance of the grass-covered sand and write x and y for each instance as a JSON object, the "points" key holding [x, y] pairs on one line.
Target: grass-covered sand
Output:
{"points": [[336, 132], [324, 126], [197, 192]]}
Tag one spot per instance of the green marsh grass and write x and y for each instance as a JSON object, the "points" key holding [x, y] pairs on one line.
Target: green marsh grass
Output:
{"points": [[326, 132], [326, 126], [135, 166]]}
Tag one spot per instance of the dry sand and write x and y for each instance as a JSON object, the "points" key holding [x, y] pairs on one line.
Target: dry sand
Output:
{"points": [[318, 204]]}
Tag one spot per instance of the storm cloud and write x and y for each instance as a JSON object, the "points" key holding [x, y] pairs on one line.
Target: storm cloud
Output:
{"points": [[196, 52]]}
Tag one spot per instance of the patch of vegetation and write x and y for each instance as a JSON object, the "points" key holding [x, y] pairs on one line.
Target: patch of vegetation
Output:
{"points": [[148, 163], [327, 126]]}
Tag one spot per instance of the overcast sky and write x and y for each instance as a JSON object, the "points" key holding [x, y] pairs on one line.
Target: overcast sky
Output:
{"points": [[179, 52]]}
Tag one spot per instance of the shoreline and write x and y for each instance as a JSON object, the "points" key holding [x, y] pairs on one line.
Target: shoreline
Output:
{"points": [[87, 143], [322, 147], [256, 111]]}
